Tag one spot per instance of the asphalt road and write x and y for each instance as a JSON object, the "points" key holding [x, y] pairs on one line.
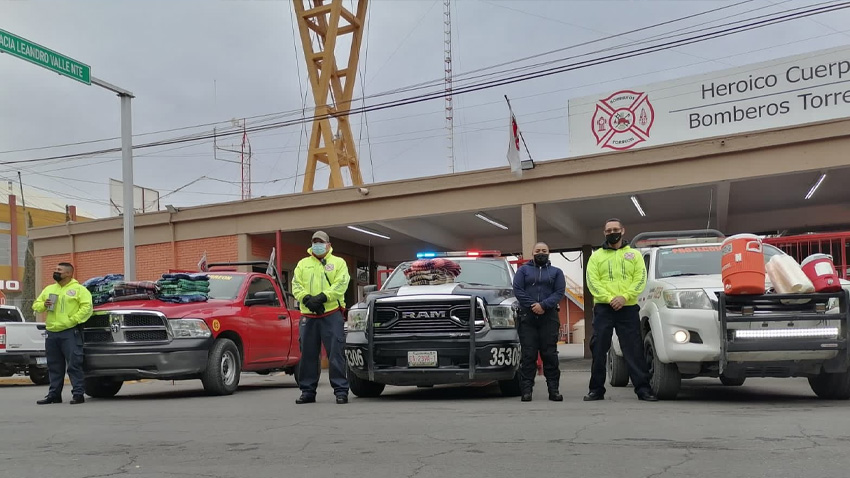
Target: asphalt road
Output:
{"points": [[766, 428]]}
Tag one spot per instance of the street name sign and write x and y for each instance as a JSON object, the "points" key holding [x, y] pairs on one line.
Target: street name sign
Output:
{"points": [[44, 57]]}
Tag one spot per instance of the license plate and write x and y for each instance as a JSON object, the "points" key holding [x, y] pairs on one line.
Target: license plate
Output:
{"points": [[422, 359], [41, 360]]}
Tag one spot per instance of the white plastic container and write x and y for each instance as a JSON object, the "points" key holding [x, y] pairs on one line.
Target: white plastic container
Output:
{"points": [[787, 277]]}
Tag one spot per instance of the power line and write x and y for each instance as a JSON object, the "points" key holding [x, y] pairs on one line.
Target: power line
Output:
{"points": [[500, 82], [270, 116]]}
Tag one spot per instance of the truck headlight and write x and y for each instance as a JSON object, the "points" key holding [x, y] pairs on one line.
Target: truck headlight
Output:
{"points": [[357, 319], [687, 299], [501, 316], [189, 328]]}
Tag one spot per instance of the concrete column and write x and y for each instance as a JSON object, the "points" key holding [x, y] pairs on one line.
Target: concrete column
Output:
{"points": [[586, 250], [243, 251], [529, 229]]}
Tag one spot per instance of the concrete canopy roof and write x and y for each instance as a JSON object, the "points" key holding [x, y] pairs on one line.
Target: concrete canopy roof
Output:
{"points": [[753, 182]]}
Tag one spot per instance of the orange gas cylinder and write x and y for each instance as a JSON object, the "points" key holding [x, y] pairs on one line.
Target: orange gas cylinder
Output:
{"points": [[820, 269], [742, 265]]}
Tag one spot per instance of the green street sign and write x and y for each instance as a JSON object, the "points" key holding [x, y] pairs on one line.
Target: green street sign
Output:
{"points": [[44, 57]]}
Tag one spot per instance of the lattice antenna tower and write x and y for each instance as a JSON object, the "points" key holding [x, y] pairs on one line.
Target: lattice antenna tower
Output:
{"points": [[332, 87], [447, 38]]}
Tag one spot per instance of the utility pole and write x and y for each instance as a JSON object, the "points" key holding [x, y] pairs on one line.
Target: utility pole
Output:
{"points": [[447, 39]]}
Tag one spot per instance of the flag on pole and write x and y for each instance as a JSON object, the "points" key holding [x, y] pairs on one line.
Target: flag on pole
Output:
{"points": [[270, 268], [513, 145], [202, 264]]}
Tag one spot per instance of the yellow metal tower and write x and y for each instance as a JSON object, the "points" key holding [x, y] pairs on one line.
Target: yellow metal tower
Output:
{"points": [[332, 87]]}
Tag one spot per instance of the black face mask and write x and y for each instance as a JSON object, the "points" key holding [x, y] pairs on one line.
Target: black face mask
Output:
{"points": [[541, 259], [57, 276], [613, 238]]}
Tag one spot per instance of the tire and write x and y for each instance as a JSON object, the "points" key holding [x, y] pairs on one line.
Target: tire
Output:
{"points": [[617, 371], [364, 388], [664, 379], [511, 387], [224, 366], [296, 373], [102, 387], [39, 375], [831, 386], [732, 382]]}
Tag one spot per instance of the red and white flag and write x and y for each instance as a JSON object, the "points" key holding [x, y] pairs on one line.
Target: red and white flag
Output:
{"points": [[513, 145], [202, 264]]}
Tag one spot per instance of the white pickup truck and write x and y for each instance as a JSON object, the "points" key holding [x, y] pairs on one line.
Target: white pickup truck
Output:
{"points": [[22, 346], [691, 329]]}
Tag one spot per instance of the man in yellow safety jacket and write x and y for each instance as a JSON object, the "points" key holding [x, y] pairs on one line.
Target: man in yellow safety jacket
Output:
{"points": [[319, 283], [68, 305], [616, 276]]}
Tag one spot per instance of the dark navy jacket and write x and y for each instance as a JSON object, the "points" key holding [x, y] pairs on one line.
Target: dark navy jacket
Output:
{"points": [[544, 285]]}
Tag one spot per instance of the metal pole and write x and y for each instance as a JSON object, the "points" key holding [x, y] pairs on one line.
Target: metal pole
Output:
{"points": [[127, 177]]}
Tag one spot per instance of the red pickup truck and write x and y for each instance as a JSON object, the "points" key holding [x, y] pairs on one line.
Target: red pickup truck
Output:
{"points": [[244, 326]]}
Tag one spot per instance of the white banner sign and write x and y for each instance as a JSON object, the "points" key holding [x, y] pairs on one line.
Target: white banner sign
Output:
{"points": [[788, 91]]}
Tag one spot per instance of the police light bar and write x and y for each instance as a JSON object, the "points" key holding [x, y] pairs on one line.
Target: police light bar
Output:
{"points": [[431, 255]]}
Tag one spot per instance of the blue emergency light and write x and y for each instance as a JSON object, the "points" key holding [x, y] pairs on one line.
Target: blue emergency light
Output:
{"points": [[430, 255]]}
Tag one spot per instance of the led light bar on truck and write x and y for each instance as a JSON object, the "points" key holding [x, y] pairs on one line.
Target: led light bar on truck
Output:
{"points": [[824, 332], [670, 238], [431, 255]]}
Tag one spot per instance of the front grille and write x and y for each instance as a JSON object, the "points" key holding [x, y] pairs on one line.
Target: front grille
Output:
{"points": [[433, 318], [126, 327], [146, 335], [140, 320], [97, 322], [97, 336]]}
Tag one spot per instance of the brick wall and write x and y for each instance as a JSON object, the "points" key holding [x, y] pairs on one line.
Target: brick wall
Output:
{"points": [[151, 260]]}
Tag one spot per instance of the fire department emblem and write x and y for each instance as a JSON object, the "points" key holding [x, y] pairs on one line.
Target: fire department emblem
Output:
{"points": [[622, 120]]}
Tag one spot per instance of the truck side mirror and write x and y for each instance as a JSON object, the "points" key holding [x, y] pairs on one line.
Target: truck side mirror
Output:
{"points": [[262, 298], [368, 289]]}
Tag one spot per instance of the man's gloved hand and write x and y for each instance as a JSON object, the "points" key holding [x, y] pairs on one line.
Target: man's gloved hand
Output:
{"points": [[306, 300], [317, 308], [320, 299]]}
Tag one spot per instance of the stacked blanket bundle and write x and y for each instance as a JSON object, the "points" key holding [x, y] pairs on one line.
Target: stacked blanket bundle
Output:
{"points": [[432, 272], [134, 290], [184, 288], [101, 287]]}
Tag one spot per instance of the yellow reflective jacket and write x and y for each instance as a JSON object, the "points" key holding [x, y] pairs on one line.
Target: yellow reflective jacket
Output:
{"points": [[616, 272], [73, 306], [313, 276]]}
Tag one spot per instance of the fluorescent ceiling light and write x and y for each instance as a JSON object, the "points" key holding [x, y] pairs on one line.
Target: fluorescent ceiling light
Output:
{"points": [[489, 219], [637, 206], [815, 187], [367, 231]]}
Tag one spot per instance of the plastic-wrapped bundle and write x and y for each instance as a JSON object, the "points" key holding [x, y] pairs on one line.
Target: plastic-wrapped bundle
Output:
{"points": [[432, 272], [787, 276]]}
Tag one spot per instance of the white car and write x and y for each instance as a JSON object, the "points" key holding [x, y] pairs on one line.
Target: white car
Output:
{"points": [[685, 336]]}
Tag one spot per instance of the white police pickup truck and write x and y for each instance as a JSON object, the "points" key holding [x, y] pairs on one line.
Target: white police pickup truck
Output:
{"points": [[691, 329], [22, 346]]}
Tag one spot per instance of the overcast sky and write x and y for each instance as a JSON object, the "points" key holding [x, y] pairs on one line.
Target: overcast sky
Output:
{"points": [[199, 62]]}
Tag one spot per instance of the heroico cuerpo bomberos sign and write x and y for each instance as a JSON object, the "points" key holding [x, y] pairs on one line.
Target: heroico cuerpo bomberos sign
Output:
{"points": [[785, 92]]}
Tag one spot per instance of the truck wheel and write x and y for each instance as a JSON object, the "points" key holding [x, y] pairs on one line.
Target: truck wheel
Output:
{"points": [[364, 388], [732, 382], [618, 372], [296, 372], [224, 366], [831, 386], [39, 375], [511, 388], [102, 387], [664, 377]]}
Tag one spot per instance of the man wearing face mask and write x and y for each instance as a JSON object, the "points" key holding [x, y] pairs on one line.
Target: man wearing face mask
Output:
{"points": [[539, 287], [319, 283], [616, 276], [68, 305]]}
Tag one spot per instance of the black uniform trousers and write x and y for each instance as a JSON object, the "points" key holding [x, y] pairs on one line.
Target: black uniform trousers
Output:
{"points": [[627, 323], [64, 351], [539, 334], [315, 331]]}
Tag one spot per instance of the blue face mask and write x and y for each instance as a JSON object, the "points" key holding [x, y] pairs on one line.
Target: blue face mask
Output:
{"points": [[320, 248]]}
